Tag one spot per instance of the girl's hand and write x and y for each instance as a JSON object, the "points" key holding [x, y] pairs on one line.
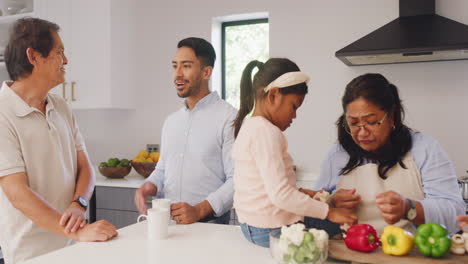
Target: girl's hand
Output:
{"points": [[342, 216], [311, 193]]}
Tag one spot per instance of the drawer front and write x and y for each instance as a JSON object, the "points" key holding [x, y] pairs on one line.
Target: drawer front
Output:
{"points": [[115, 198], [118, 218]]}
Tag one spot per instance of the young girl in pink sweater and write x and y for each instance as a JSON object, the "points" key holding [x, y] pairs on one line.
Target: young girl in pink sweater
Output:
{"points": [[265, 192]]}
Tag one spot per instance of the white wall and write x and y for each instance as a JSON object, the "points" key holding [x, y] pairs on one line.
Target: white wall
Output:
{"points": [[308, 32]]}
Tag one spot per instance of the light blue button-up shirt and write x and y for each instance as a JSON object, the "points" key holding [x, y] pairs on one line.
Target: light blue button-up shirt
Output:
{"points": [[442, 202], [195, 162]]}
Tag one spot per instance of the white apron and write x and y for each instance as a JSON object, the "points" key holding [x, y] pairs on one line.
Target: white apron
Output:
{"points": [[368, 184]]}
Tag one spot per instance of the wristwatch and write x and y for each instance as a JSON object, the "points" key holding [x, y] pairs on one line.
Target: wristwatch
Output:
{"points": [[82, 201], [411, 214]]}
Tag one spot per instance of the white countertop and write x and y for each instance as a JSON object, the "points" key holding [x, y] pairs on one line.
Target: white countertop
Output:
{"points": [[195, 243], [132, 180], [135, 180]]}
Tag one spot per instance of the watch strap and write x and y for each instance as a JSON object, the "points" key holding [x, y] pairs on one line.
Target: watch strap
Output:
{"points": [[84, 203], [411, 214]]}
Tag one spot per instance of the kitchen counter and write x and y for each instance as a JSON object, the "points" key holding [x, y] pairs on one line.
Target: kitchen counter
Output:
{"points": [[135, 180], [132, 180], [195, 243]]}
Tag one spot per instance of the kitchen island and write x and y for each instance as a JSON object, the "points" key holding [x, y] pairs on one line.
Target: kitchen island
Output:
{"points": [[195, 243]]}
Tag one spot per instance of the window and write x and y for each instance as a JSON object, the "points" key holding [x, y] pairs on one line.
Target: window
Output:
{"points": [[242, 41]]}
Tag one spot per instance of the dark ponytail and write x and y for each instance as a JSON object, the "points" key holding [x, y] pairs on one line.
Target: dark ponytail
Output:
{"points": [[252, 90], [247, 94]]}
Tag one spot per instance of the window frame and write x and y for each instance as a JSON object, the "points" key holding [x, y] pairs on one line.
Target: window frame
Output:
{"points": [[224, 25]]}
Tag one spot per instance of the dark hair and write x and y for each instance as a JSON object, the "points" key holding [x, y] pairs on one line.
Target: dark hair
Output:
{"points": [[267, 72], [202, 48], [27, 33], [376, 89]]}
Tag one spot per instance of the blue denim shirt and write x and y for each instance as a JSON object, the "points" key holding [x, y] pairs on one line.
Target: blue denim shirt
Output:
{"points": [[195, 162]]}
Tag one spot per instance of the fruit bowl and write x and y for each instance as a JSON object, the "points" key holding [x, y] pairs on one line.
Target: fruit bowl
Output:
{"points": [[310, 247], [144, 168], [115, 172]]}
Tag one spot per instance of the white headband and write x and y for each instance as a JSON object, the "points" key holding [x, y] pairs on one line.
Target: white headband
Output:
{"points": [[288, 79]]}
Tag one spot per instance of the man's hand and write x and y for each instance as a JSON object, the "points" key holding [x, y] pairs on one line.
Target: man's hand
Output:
{"points": [[73, 218], [184, 213], [392, 206], [97, 231], [346, 198], [147, 189]]}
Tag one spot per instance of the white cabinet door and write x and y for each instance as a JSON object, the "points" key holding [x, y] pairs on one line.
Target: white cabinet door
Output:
{"points": [[86, 28], [59, 12], [90, 54]]}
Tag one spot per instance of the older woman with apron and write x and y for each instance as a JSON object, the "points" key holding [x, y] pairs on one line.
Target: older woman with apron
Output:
{"points": [[386, 172]]}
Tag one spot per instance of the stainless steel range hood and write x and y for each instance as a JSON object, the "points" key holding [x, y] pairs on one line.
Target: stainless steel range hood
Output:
{"points": [[418, 35]]}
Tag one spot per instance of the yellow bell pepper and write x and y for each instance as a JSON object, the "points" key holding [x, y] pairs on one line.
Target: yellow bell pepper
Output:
{"points": [[396, 241]]}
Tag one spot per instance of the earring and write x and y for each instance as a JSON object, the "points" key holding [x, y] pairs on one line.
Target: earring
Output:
{"points": [[393, 127]]}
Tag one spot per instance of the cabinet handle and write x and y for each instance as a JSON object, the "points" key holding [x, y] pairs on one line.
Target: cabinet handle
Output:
{"points": [[64, 91], [73, 91]]}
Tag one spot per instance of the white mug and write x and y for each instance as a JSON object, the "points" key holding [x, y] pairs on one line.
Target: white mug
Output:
{"points": [[158, 222], [162, 203]]}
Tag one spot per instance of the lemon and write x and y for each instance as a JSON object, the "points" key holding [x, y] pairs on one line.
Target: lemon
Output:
{"points": [[149, 160], [154, 156], [143, 153], [139, 159]]}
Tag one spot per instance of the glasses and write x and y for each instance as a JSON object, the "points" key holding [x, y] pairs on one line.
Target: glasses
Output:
{"points": [[354, 128]]}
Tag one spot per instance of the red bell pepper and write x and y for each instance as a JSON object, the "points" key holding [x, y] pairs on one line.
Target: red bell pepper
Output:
{"points": [[362, 238]]}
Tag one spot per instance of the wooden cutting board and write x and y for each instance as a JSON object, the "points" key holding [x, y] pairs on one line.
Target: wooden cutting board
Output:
{"points": [[338, 250]]}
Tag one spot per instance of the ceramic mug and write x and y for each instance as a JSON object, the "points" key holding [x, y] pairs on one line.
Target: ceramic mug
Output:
{"points": [[158, 222], [162, 203]]}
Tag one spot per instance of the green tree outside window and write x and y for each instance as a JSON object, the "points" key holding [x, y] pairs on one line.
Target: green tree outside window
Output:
{"points": [[243, 43]]}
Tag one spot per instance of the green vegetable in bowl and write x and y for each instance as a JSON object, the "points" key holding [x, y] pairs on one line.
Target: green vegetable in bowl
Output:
{"points": [[297, 246], [113, 162], [103, 164], [305, 253], [125, 162]]}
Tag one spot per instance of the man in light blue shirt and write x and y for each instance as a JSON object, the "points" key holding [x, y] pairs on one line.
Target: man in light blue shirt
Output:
{"points": [[195, 168]]}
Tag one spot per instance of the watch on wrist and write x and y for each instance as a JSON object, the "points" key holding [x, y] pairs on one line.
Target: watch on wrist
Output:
{"points": [[412, 213], [82, 201]]}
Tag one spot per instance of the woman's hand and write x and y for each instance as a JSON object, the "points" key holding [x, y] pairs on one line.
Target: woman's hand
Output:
{"points": [[392, 206], [346, 198], [463, 219]]}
